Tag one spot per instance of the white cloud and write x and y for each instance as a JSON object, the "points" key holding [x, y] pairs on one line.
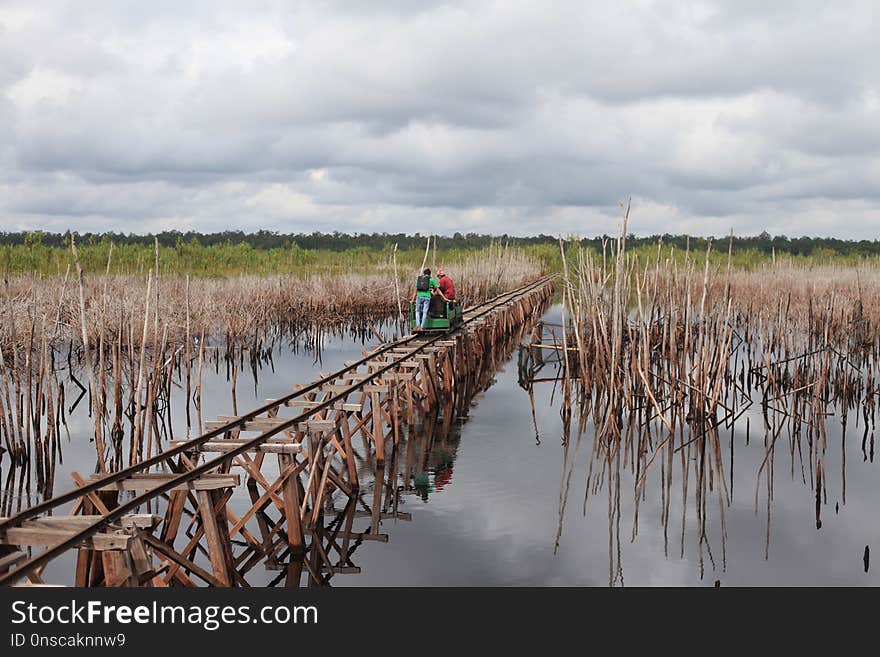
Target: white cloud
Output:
{"points": [[43, 86], [487, 116]]}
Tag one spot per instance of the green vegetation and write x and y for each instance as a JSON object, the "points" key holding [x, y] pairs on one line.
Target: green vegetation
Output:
{"points": [[264, 252]]}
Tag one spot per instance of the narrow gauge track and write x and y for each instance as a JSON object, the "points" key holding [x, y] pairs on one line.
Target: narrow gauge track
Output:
{"points": [[419, 344]]}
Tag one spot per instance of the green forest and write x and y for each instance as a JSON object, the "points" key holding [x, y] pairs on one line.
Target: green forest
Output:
{"points": [[263, 252]]}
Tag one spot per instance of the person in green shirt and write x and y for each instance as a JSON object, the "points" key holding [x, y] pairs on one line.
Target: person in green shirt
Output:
{"points": [[426, 285]]}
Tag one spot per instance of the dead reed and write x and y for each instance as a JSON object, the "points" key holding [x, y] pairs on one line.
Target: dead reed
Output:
{"points": [[661, 357]]}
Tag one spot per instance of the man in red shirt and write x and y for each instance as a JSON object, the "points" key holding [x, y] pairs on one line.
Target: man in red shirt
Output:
{"points": [[447, 287]]}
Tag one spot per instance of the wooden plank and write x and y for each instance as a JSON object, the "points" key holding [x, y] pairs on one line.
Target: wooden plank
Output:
{"points": [[338, 406], [94, 498], [11, 559], [355, 376], [31, 585], [41, 537], [257, 424], [212, 535], [317, 425], [182, 562], [78, 523], [403, 364], [400, 376], [337, 388], [291, 509], [116, 570], [369, 387], [211, 481], [222, 446], [142, 565]]}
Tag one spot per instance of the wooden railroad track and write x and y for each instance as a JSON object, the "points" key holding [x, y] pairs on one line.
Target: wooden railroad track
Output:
{"points": [[323, 439]]}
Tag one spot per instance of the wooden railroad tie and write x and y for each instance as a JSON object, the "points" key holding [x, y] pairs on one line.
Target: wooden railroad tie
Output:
{"points": [[222, 445], [51, 530], [149, 481]]}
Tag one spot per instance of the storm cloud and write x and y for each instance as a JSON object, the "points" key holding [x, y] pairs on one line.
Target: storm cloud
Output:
{"points": [[516, 117]]}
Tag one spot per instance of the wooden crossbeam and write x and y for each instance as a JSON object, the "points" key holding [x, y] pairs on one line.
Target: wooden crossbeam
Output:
{"points": [[369, 387], [338, 406], [46, 532], [317, 425], [256, 424], [11, 559], [210, 481], [227, 445]]}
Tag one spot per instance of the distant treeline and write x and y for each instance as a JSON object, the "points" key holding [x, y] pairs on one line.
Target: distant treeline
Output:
{"points": [[340, 242]]}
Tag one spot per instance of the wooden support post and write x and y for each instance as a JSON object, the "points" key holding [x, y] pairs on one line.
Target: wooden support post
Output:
{"points": [[116, 570], [378, 433], [350, 464], [377, 497], [295, 539], [214, 537]]}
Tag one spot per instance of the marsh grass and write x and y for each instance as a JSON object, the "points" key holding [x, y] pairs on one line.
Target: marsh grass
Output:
{"points": [[665, 352]]}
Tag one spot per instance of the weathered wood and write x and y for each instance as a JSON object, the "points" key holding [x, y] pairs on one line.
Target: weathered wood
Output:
{"points": [[141, 564], [213, 536], [182, 562], [398, 365], [317, 425], [221, 446], [40, 537], [116, 570], [11, 559], [256, 424], [131, 520], [338, 406], [337, 388], [149, 481], [295, 538]]}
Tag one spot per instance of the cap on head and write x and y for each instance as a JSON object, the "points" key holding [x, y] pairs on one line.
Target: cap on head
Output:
{"points": [[441, 272]]}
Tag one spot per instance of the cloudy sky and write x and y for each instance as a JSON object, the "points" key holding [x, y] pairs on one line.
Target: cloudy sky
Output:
{"points": [[507, 116]]}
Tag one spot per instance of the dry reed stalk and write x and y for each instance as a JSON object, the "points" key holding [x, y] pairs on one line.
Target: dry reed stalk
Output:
{"points": [[687, 347], [187, 355], [99, 440], [136, 390], [397, 283]]}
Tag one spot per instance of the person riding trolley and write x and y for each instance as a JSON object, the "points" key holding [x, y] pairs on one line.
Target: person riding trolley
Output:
{"points": [[445, 284], [426, 287]]}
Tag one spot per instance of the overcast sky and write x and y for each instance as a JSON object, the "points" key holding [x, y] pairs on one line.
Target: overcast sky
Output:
{"points": [[516, 117]]}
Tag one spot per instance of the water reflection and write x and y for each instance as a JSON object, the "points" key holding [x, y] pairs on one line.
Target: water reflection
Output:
{"points": [[418, 467], [514, 492], [695, 484]]}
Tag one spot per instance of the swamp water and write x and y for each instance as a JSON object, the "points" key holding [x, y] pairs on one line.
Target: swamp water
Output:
{"points": [[486, 499]]}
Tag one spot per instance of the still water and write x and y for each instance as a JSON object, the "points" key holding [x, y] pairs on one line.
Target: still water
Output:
{"points": [[487, 510]]}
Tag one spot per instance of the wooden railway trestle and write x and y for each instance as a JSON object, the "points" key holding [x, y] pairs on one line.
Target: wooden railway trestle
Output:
{"points": [[296, 469]]}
